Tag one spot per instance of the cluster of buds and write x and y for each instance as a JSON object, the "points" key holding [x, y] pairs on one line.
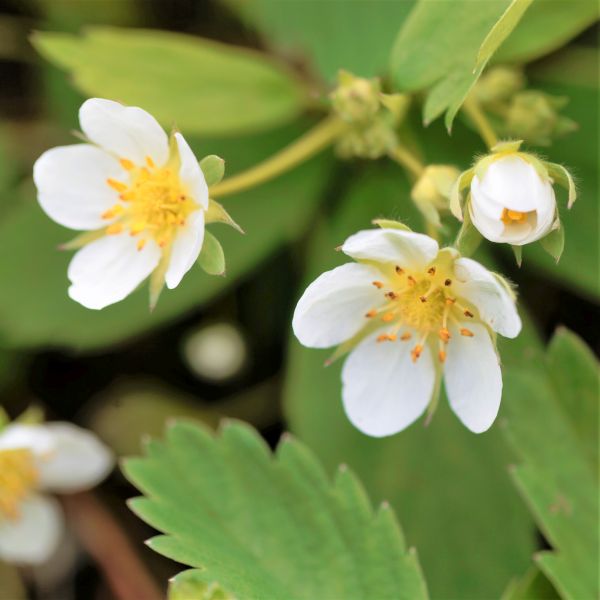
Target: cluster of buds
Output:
{"points": [[526, 114], [511, 198], [372, 117]]}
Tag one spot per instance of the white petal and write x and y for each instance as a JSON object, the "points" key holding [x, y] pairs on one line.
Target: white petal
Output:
{"points": [[190, 173], [72, 188], [127, 131], [109, 269], [404, 248], [185, 249], [493, 301], [473, 378], [34, 536], [488, 206], [497, 231], [78, 460], [333, 307], [546, 214], [513, 183], [384, 391], [34, 437]]}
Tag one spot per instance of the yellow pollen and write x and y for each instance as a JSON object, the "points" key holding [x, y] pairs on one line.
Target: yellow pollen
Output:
{"points": [[416, 352], [378, 284], [444, 334], [513, 216], [450, 301], [431, 271], [388, 317], [370, 314], [116, 185], [386, 337], [18, 476], [406, 336], [411, 280], [466, 332], [126, 164]]}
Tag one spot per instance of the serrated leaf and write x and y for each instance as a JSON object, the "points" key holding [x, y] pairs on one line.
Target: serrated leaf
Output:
{"points": [[533, 585], [490, 537], [269, 526], [212, 257], [193, 584], [555, 475], [201, 85]]}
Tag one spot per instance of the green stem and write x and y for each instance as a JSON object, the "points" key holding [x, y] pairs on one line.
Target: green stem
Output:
{"points": [[312, 142], [403, 156], [486, 131]]}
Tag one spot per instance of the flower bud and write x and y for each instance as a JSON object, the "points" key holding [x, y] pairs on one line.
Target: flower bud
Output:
{"points": [[356, 100], [533, 116], [499, 84], [431, 192]]}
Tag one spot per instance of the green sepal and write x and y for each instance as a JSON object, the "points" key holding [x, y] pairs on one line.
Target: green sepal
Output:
{"points": [[390, 224], [435, 397], [468, 238], [508, 146], [157, 280], [212, 257], [518, 252], [82, 240], [32, 415], [343, 349], [554, 242], [213, 168], [397, 104], [456, 198], [561, 176], [217, 214], [4, 418]]}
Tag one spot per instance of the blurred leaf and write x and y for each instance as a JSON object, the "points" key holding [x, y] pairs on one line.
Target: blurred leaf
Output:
{"points": [[443, 480], [547, 25], [201, 85], [579, 266], [555, 475], [455, 34], [35, 308], [191, 584], [531, 586], [266, 526], [11, 586], [355, 35]]}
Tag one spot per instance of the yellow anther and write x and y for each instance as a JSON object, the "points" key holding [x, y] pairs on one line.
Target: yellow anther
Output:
{"points": [[468, 313], [442, 356], [150, 162], [370, 314], [450, 301], [111, 213], [126, 164], [392, 295], [466, 332], [391, 337], [444, 334], [382, 338], [127, 196], [448, 282], [119, 186], [137, 228], [431, 270], [406, 336], [423, 298], [416, 352], [378, 284], [513, 216], [399, 270], [18, 476], [411, 280], [141, 243], [114, 229], [388, 317]]}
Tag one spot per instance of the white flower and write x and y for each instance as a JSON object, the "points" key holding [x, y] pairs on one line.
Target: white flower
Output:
{"points": [[142, 199], [410, 312], [512, 201], [53, 457]]}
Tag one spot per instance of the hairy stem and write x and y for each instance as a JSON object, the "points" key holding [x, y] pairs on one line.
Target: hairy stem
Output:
{"points": [[486, 131], [311, 143]]}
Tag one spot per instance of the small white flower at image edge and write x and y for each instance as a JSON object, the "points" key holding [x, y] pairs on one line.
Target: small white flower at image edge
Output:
{"points": [[141, 199], [410, 314], [36, 461]]}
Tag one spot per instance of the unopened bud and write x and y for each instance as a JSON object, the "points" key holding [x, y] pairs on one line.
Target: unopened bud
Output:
{"points": [[499, 84], [356, 100], [431, 192]]}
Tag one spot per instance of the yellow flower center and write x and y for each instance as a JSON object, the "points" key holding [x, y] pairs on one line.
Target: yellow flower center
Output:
{"points": [[423, 302], [18, 476], [510, 217], [154, 203]]}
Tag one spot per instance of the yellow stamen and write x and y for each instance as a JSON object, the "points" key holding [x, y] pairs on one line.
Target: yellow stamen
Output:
{"points": [[150, 162], [378, 284], [141, 243], [448, 282], [416, 352], [406, 336], [442, 356], [126, 164], [114, 229], [444, 334], [18, 477], [388, 317], [431, 271], [466, 332], [513, 216], [119, 186], [399, 270], [370, 314], [111, 213]]}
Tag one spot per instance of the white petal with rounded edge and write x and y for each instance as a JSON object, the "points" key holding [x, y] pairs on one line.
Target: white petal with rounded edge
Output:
{"points": [[34, 537], [488, 206], [190, 173], [513, 183], [404, 248], [19, 435], [473, 378], [493, 301], [332, 308], [546, 214], [185, 249], [109, 269], [497, 231], [384, 391], [71, 184], [78, 460], [127, 131]]}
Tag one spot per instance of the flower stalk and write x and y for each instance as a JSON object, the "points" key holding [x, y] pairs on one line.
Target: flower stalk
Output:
{"points": [[486, 131], [299, 151], [404, 157]]}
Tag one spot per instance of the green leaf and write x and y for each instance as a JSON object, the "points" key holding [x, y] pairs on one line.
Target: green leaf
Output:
{"points": [[212, 257], [532, 585], [269, 526], [330, 36], [547, 25], [203, 86], [10, 583], [440, 478], [555, 474], [449, 63], [272, 214], [192, 584]]}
